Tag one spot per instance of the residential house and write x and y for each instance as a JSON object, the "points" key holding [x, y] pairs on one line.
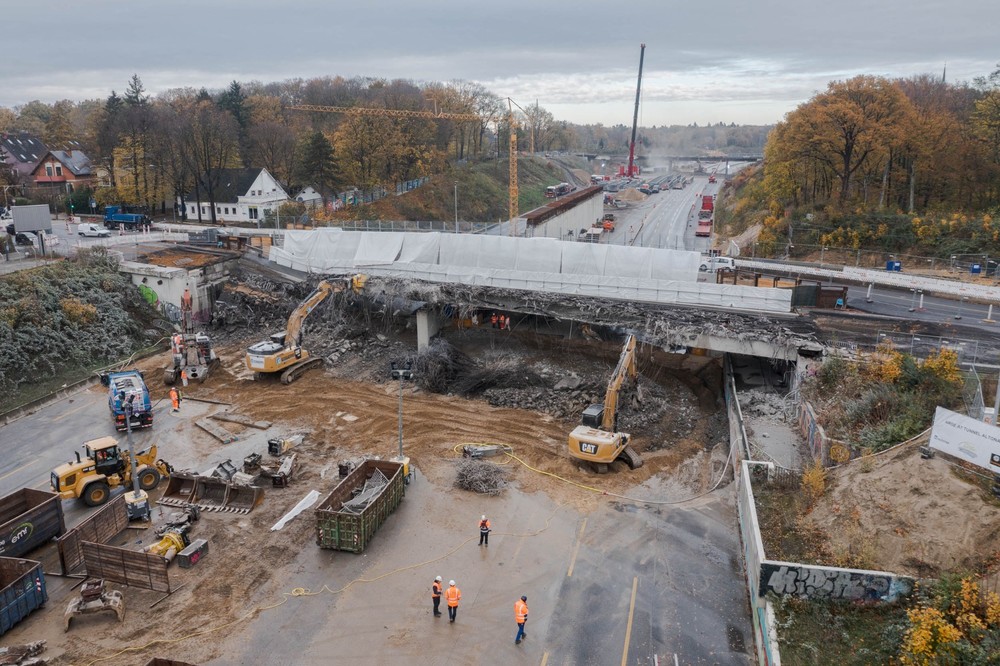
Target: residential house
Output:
{"points": [[310, 197], [66, 170], [20, 152], [241, 195]]}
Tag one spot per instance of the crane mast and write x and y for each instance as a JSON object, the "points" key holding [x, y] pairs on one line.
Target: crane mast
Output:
{"points": [[635, 114]]}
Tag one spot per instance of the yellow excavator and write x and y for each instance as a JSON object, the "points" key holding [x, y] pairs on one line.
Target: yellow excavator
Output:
{"points": [[597, 439], [283, 352], [106, 466]]}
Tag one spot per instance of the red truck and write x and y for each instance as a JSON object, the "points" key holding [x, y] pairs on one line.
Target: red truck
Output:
{"points": [[705, 216]]}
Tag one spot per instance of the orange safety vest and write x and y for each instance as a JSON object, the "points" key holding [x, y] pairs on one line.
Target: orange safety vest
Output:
{"points": [[520, 611], [453, 594], [484, 525], [436, 590], [175, 397]]}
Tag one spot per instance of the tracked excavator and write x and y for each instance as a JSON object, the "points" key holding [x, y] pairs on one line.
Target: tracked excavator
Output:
{"points": [[282, 352], [597, 440]]}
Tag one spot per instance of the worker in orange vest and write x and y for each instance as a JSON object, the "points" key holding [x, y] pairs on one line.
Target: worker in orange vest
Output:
{"points": [[484, 531], [184, 377], [520, 617], [493, 320], [175, 399], [452, 595], [436, 595]]}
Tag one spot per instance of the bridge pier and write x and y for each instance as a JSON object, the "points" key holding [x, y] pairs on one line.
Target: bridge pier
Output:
{"points": [[428, 325]]}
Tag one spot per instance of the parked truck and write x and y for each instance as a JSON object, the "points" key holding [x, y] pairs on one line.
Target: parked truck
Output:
{"points": [[28, 519], [22, 590], [128, 387], [349, 516], [115, 218]]}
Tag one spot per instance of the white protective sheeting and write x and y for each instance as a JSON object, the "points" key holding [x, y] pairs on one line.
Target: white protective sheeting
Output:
{"points": [[538, 255], [420, 248], [460, 249], [584, 258], [378, 249], [498, 252], [581, 269]]}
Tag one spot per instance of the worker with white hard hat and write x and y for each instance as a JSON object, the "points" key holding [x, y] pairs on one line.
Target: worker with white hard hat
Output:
{"points": [[436, 595], [484, 531]]}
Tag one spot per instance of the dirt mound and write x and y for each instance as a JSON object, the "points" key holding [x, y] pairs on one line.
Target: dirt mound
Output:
{"points": [[631, 195], [920, 517]]}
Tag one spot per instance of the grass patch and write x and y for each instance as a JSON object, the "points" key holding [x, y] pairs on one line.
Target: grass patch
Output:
{"points": [[816, 633]]}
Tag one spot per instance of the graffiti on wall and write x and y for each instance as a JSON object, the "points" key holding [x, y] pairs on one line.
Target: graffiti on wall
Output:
{"points": [[829, 583]]}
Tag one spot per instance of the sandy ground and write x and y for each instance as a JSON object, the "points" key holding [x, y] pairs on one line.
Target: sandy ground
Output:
{"points": [[346, 419], [917, 516]]}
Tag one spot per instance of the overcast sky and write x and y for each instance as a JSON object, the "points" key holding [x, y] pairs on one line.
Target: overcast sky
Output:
{"points": [[743, 61]]}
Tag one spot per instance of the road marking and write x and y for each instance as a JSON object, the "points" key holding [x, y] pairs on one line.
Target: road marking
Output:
{"points": [[631, 614], [576, 549], [69, 413], [545, 658], [43, 484], [15, 471]]}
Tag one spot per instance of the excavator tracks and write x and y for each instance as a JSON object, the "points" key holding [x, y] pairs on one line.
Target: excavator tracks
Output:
{"points": [[294, 372], [630, 457]]}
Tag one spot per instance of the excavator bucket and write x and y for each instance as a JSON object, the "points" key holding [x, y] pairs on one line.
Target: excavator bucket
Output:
{"points": [[210, 492], [179, 489], [244, 498]]}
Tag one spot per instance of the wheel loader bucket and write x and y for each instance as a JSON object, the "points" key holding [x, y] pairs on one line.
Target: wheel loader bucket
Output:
{"points": [[180, 487], [244, 498], [210, 492]]}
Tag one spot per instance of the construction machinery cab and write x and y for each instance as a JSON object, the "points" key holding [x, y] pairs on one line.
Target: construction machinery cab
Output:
{"points": [[106, 456]]}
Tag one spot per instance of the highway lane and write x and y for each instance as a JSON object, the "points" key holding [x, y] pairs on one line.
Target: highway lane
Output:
{"points": [[666, 220]]}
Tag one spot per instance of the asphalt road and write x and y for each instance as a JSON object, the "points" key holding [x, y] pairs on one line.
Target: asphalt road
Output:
{"points": [[665, 220]]}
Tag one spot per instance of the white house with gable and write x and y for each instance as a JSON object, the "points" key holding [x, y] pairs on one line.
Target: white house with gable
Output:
{"points": [[241, 195]]}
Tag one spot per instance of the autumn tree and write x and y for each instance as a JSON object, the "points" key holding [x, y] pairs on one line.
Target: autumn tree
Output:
{"points": [[271, 144], [841, 130], [211, 144]]}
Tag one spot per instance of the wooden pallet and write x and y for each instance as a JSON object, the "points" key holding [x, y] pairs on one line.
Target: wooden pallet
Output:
{"points": [[216, 431]]}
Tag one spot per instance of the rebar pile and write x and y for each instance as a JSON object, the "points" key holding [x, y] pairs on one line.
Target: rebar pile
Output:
{"points": [[480, 476], [374, 485]]}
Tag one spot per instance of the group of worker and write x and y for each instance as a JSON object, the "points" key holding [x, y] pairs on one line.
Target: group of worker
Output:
{"points": [[453, 595], [500, 321]]}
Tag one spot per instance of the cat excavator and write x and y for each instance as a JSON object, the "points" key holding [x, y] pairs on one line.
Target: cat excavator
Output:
{"points": [[282, 352], [597, 440]]}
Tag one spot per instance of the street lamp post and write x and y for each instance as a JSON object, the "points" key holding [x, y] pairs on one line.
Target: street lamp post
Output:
{"points": [[822, 253], [402, 372], [958, 315], [456, 206]]}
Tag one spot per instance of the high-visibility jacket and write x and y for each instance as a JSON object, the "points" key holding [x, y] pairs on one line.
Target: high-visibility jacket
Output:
{"points": [[175, 397], [520, 611], [484, 525], [453, 595], [436, 590]]}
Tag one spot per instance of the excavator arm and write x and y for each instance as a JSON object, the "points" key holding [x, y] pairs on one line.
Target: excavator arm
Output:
{"points": [[626, 368], [293, 331]]}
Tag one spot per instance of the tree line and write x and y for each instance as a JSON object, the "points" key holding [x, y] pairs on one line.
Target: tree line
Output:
{"points": [[879, 162]]}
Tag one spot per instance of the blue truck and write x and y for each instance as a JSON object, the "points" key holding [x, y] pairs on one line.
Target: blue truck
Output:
{"points": [[22, 590], [128, 387], [114, 218]]}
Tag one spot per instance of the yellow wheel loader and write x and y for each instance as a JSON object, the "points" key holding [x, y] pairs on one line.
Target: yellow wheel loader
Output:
{"points": [[105, 466]]}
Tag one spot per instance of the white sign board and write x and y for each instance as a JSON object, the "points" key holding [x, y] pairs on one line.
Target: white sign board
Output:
{"points": [[967, 439]]}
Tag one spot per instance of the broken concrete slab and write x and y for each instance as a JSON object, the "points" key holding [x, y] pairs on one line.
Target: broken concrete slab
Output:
{"points": [[216, 431], [242, 419]]}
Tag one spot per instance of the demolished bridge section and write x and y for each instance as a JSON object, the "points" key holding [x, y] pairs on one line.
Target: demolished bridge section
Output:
{"points": [[613, 272]]}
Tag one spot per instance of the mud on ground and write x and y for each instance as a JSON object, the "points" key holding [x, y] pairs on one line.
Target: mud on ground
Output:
{"points": [[349, 411]]}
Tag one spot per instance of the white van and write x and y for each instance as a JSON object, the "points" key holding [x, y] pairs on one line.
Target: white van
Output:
{"points": [[713, 264], [90, 229]]}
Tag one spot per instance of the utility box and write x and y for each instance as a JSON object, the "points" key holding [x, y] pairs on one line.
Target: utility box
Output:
{"points": [[976, 269], [349, 516], [190, 556], [22, 590]]}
